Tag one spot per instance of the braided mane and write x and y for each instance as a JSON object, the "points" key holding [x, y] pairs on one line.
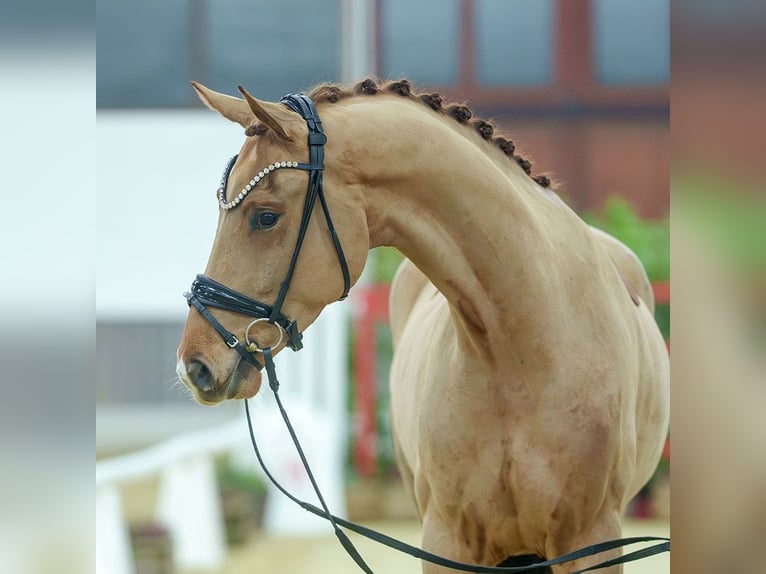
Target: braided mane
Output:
{"points": [[332, 93]]}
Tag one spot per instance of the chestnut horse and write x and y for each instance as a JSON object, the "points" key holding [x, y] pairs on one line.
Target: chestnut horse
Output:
{"points": [[529, 387]]}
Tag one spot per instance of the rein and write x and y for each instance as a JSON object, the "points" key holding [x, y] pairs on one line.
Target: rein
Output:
{"points": [[206, 292]]}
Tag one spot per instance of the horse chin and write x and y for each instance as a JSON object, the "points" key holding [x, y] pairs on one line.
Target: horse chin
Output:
{"points": [[245, 382], [245, 387]]}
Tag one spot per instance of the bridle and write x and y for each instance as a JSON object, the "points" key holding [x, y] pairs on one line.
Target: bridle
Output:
{"points": [[206, 292]]}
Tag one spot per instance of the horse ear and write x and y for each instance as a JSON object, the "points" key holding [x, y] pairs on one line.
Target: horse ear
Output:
{"points": [[273, 116], [233, 109]]}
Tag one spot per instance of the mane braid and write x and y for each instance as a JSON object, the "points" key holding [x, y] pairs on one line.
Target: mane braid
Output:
{"points": [[333, 93]]}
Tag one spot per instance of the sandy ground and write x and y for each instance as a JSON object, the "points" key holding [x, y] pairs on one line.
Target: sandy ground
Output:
{"points": [[263, 554], [323, 554]]}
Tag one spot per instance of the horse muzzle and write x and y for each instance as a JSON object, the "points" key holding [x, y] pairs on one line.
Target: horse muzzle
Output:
{"points": [[208, 387]]}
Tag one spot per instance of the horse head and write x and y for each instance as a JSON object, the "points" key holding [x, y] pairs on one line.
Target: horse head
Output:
{"points": [[291, 238]]}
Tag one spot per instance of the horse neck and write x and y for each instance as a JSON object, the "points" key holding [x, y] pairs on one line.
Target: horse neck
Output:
{"points": [[474, 228]]}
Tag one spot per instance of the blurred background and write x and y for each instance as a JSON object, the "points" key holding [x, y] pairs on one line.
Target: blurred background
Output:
{"points": [[581, 86]]}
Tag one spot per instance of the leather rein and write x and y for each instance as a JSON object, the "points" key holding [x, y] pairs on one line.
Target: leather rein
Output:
{"points": [[206, 292]]}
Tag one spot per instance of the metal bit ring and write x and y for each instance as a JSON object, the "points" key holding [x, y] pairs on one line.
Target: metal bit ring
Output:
{"points": [[252, 347]]}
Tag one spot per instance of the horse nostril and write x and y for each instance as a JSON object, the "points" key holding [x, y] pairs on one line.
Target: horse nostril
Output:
{"points": [[200, 376]]}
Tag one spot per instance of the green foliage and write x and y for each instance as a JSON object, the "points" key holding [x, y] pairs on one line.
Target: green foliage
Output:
{"points": [[384, 264], [732, 218], [650, 240], [231, 476]]}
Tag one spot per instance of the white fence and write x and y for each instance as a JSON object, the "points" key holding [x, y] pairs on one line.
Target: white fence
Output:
{"points": [[314, 383]]}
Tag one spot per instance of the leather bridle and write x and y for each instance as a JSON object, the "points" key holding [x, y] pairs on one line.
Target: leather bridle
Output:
{"points": [[206, 292]]}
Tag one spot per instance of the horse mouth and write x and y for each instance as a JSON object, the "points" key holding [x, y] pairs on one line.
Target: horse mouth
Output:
{"points": [[244, 382]]}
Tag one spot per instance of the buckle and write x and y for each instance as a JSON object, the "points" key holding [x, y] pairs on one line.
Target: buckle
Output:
{"points": [[295, 337], [232, 341]]}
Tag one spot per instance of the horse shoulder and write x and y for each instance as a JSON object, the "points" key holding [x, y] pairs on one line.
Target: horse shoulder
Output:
{"points": [[629, 267], [652, 399]]}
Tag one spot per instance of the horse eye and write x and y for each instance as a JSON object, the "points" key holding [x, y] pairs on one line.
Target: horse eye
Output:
{"points": [[264, 220]]}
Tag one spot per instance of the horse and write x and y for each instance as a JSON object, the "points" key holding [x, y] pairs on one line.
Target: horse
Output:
{"points": [[530, 382]]}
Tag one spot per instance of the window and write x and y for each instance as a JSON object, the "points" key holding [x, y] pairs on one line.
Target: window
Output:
{"points": [[149, 50], [272, 47], [419, 40], [143, 53], [514, 42], [632, 41]]}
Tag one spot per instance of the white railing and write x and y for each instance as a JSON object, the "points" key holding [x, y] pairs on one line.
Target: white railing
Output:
{"points": [[313, 388]]}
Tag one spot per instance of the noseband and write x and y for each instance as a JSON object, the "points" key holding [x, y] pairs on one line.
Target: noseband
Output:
{"points": [[208, 293]]}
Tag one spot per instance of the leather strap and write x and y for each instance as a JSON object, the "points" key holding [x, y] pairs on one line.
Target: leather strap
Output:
{"points": [[308, 207], [344, 540], [302, 104], [228, 336], [338, 246], [214, 294]]}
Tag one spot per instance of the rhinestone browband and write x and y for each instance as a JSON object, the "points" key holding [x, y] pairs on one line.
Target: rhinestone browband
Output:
{"points": [[250, 185]]}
